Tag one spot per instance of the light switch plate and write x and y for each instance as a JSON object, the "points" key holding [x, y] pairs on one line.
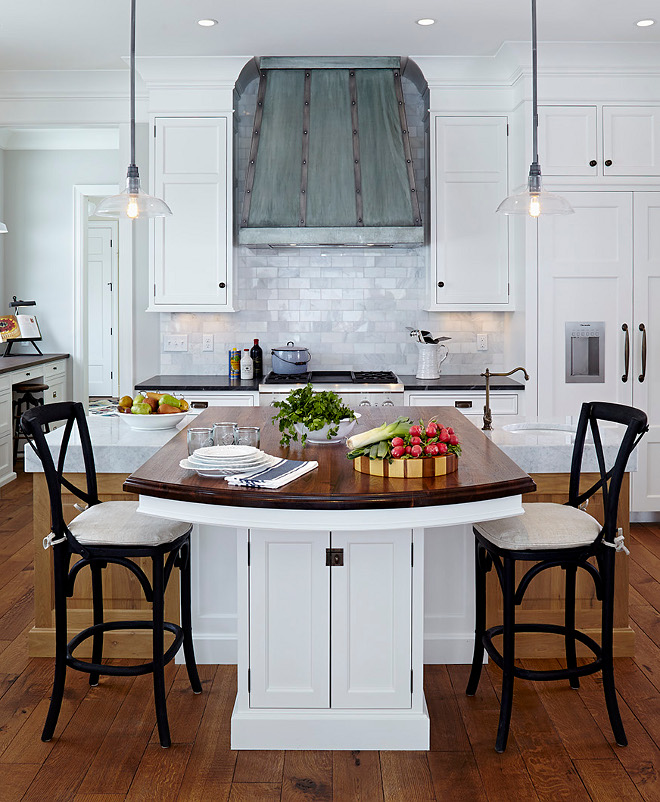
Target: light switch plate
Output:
{"points": [[207, 342], [482, 342], [175, 342]]}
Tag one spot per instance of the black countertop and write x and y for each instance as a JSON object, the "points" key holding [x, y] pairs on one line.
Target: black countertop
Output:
{"points": [[457, 382], [198, 384], [224, 383]]}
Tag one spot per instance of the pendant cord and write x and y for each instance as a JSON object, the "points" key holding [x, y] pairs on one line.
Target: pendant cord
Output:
{"points": [[133, 82], [535, 112]]}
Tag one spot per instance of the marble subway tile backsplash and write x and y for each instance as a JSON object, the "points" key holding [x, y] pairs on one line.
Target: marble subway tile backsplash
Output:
{"points": [[349, 306]]}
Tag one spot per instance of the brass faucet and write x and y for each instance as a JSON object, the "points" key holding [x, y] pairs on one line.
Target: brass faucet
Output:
{"points": [[488, 415]]}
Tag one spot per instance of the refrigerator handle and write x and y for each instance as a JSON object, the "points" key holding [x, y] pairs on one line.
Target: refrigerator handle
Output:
{"points": [[625, 328], [642, 375]]}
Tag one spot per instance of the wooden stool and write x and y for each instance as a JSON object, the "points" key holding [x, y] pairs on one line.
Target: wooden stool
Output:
{"points": [[27, 400]]}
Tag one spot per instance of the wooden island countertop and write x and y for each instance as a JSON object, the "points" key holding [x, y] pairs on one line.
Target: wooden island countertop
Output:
{"points": [[484, 472]]}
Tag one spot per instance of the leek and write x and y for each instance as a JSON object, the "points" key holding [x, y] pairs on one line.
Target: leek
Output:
{"points": [[399, 428]]}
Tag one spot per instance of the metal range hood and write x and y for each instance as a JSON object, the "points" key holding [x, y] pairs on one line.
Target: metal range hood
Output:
{"points": [[330, 160]]}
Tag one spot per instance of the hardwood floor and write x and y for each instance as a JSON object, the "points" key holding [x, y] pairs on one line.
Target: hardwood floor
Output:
{"points": [[106, 749]]}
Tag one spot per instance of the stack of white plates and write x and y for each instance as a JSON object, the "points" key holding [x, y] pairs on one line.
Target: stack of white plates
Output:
{"points": [[228, 461]]}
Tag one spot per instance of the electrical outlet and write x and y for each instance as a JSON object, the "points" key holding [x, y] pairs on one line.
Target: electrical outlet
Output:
{"points": [[176, 342], [482, 342], [207, 342]]}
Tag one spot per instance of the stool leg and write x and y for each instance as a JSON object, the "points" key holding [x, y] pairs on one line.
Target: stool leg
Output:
{"points": [[158, 650], [61, 570], [480, 558], [607, 572], [17, 408], [569, 622], [97, 602], [186, 619], [508, 653]]}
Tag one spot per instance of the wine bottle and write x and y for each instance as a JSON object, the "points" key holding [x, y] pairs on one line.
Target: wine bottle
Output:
{"points": [[257, 359]]}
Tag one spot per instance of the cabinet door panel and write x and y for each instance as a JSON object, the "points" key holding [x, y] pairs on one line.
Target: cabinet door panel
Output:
{"points": [[585, 274], [631, 140], [371, 620], [191, 248], [5, 414], [646, 394], [470, 247], [289, 619], [568, 140]]}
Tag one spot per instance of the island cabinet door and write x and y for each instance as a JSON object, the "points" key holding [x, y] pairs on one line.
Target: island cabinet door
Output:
{"points": [[371, 620], [289, 619]]}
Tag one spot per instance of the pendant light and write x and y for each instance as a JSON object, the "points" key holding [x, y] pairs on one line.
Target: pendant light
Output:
{"points": [[3, 228], [132, 202], [533, 199]]}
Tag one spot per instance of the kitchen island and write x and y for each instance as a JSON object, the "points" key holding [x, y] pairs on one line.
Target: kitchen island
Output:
{"points": [[448, 623], [330, 575]]}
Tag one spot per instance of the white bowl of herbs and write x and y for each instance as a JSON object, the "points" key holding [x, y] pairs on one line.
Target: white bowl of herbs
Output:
{"points": [[314, 417]]}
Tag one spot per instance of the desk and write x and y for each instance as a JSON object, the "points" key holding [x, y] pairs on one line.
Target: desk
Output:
{"points": [[47, 368], [332, 657]]}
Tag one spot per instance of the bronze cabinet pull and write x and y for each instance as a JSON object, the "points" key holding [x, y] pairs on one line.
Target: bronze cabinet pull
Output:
{"points": [[642, 375], [624, 378]]}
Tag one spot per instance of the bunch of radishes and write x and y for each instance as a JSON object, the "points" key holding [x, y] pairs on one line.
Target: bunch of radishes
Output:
{"points": [[430, 440]]}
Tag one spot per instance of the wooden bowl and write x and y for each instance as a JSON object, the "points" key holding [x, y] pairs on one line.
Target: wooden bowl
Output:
{"points": [[407, 468]]}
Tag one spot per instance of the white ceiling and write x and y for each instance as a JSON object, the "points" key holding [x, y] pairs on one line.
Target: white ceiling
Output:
{"points": [[93, 34]]}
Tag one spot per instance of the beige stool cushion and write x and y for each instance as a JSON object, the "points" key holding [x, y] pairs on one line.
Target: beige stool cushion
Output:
{"points": [[118, 523], [543, 526]]}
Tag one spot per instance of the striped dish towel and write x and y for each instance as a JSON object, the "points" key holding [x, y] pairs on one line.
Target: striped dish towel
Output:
{"points": [[277, 475]]}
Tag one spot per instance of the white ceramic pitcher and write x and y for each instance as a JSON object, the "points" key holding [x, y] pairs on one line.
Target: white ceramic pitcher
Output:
{"points": [[430, 358]]}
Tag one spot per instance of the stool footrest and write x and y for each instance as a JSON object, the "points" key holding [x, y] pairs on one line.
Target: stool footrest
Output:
{"points": [[552, 674], [120, 671]]}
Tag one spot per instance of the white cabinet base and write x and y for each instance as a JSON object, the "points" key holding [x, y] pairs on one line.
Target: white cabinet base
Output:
{"points": [[328, 729]]}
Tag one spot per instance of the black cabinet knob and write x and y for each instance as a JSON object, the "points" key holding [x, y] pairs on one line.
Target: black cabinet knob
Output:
{"points": [[608, 162], [593, 163], [222, 285], [441, 284]]}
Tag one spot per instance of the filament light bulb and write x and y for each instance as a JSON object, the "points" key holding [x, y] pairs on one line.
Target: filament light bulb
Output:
{"points": [[132, 210], [534, 206]]}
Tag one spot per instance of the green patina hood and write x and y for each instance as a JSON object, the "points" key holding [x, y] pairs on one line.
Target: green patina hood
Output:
{"points": [[330, 160]]}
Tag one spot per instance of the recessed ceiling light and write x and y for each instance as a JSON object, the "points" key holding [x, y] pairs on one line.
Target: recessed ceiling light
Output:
{"points": [[426, 21], [644, 23], [207, 23]]}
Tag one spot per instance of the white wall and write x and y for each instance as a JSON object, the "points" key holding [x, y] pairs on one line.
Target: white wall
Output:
{"points": [[38, 196]]}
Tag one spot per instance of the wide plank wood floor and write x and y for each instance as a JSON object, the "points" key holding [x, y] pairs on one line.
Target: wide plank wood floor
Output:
{"points": [[106, 748]]}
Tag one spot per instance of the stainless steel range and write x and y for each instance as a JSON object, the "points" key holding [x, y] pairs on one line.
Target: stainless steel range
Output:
{"points": [[363, 388]]}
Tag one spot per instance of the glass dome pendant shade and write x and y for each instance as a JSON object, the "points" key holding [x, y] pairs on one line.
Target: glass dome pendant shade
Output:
{"points": [[132, 203], [533, 200], [3, 228]]}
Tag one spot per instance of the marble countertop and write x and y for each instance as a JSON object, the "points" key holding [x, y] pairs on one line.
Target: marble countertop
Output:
{"points": [[461, 382], [120, 449]]}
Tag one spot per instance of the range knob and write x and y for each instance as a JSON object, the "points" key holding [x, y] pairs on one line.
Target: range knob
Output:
{"points": [[388, 403], [364, 403]]}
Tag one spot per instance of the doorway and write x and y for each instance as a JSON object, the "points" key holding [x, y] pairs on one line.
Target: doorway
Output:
{"points": [[102, 308]]}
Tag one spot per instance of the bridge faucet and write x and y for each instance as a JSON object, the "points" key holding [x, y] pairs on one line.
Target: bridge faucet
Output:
{"points": [[488, 415]]}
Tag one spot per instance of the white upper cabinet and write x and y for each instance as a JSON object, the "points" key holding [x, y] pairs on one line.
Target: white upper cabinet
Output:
{"points": [[191, 251], [599, 141], [631, 140], [568, 140], [469, 265]]}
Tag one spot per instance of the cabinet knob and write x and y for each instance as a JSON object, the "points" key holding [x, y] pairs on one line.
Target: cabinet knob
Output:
{"points": [[222, 285], [593, 163], [608, 162], [441, 284]]}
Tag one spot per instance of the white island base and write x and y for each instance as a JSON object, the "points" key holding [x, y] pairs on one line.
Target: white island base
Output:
{"points": [[331, 656]]}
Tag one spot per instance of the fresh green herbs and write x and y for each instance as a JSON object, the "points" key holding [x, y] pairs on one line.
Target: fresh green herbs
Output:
{"points": [[312, 410]]}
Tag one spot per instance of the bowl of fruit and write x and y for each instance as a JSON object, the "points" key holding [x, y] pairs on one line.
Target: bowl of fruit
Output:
{"points": [[151, 411], [404, 449]]}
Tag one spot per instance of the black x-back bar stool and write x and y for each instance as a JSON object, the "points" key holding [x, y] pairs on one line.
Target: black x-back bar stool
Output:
{"points": [[552, 535], [109, 532]]}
